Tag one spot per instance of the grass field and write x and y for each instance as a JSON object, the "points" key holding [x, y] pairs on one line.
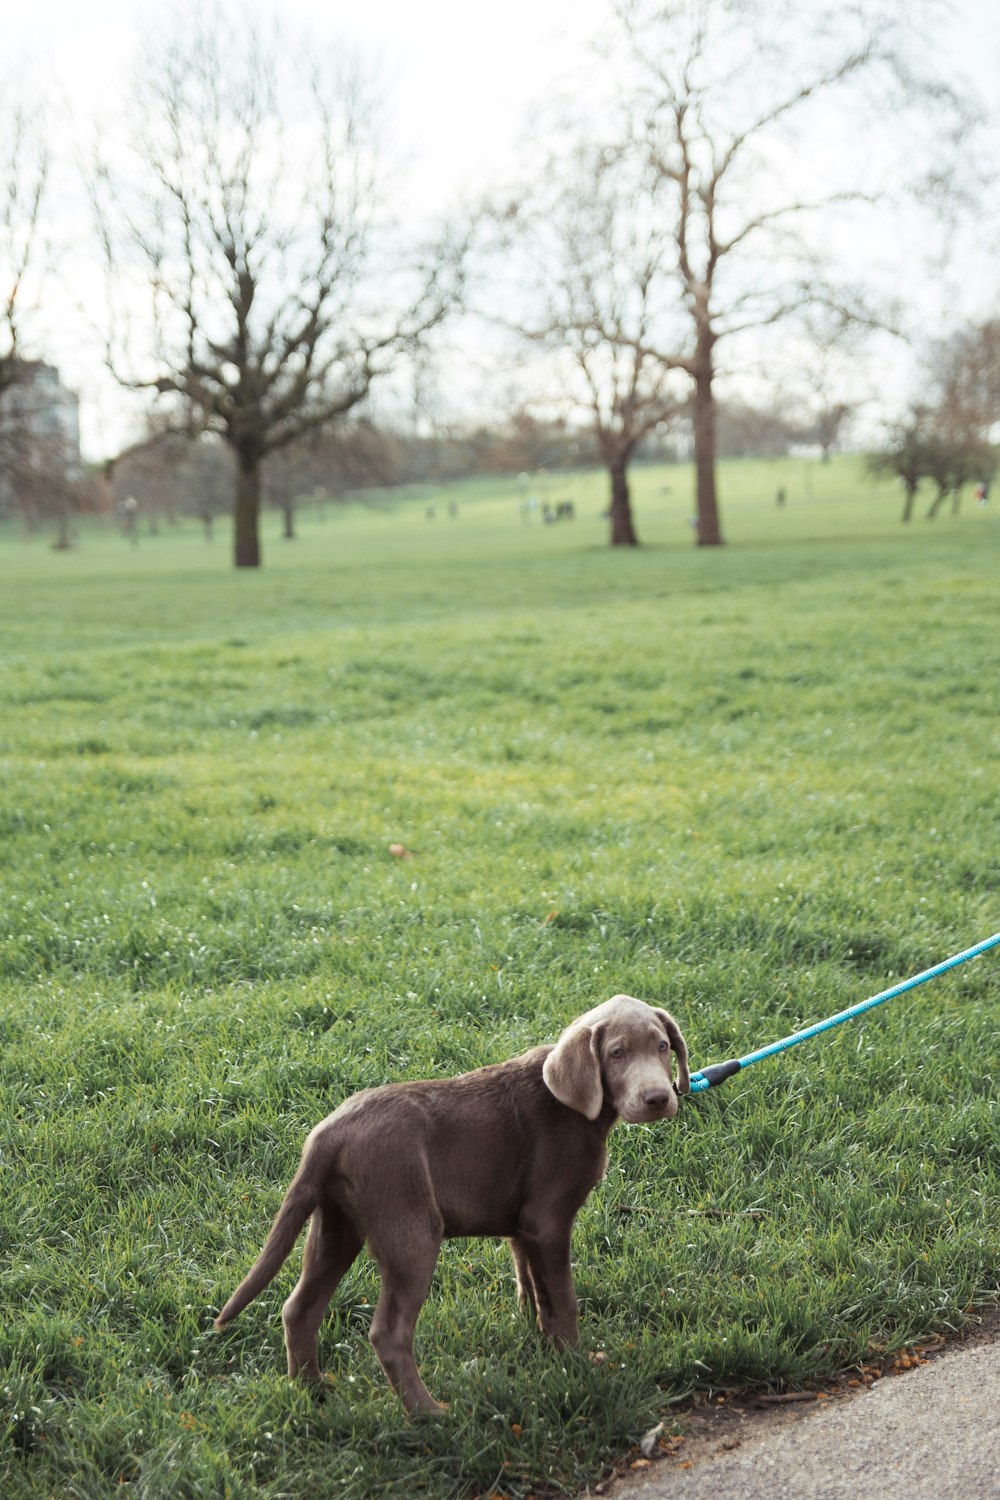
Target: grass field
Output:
{"points": [[752, 784]]}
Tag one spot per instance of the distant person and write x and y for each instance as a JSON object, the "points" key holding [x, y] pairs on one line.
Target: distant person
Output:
{"points": [[781, 498], [129, 511]]}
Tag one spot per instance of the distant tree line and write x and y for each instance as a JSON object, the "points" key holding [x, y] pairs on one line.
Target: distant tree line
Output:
{"points": [[169, 475], [261, 292]]}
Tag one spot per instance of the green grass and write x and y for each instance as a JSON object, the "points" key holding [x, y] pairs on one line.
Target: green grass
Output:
{"points": [[751, 784]]}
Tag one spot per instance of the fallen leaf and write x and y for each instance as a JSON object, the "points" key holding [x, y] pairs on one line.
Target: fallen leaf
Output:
{"points": [[649, 1441]]}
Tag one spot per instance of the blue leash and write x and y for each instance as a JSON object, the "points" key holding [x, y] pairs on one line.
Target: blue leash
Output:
{"points": [[707, 1078]]}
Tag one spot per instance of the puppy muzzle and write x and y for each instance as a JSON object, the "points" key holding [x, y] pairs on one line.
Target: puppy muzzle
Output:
{"points": [[650, 1105]]}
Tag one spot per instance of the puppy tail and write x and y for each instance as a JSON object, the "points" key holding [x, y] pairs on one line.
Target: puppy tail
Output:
{"points": [[297, 1205]]}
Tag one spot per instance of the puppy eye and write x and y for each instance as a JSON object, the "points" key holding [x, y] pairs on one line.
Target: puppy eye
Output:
{"points": [[617, 1052], [664, 1046]]}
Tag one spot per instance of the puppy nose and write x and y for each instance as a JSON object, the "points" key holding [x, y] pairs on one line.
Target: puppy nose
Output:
{"points": [[655, 1099]]}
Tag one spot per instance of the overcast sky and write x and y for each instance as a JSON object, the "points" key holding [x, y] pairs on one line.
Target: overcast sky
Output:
{"points": [[462, 79], [461, 75]]}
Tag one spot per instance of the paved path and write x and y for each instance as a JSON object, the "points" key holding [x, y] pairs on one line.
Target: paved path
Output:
{"points": [[932, 1431]]}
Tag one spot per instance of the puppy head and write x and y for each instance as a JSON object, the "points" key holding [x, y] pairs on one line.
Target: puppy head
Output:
{"points": [[619, 1053]]}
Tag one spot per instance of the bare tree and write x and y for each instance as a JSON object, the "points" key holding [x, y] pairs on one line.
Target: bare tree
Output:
{"points": [[725, 95], [600, 276], [824, 379], [167, 473], [963, 371], [953, 460], [41, 473], [24, 168], [757, 430], [962, 380], [254, 221], [905, 455], [927, 444], [144, 481]]}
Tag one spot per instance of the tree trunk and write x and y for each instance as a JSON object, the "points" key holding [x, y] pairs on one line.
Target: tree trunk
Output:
{"points": [[288, 508], [956, 500], [709, 530], [910, 491], [62, 542], [247, 539], [622, 528], [938, 501]]}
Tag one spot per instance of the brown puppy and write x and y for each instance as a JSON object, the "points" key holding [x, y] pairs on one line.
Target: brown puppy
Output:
{"points": [[512, 1149]]}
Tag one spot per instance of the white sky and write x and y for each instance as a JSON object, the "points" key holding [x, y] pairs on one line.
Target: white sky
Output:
{"points": [[461, 75], [462, 78]]}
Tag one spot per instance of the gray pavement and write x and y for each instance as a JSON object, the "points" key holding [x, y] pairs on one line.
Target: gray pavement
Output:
{"points": [[934, 1429]]}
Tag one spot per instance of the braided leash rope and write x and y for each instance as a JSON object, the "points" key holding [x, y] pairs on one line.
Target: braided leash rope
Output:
{"points": [[709, 1077]]}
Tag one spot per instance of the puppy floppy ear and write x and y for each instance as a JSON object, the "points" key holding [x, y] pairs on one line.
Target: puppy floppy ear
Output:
{"points": [[572, 1071], [679, 1045]]}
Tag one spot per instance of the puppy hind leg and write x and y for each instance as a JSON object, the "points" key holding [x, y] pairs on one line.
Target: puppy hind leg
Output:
{"points": [[406, 1270], [331, 1248], [527, 1298]]}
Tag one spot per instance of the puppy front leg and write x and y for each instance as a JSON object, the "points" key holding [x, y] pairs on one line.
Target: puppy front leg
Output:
{"points": [[548, 1255]]}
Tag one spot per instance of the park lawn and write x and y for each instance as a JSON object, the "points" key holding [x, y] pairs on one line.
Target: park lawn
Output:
{"points": [[752, 784]]}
